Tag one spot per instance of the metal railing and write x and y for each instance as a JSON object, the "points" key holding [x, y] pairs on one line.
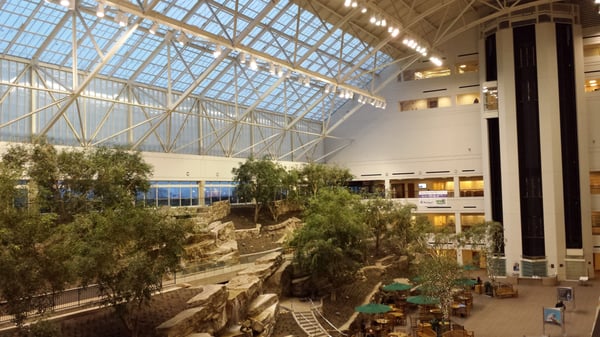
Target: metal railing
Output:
{"points": [[90, 296]]}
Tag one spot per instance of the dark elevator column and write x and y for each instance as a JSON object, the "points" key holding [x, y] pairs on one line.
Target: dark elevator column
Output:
{"points": [[528, 133]]}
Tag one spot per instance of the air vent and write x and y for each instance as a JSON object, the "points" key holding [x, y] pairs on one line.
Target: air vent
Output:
{"points": [[402, 173], [434, 90], [436, 172], [371, 175]]}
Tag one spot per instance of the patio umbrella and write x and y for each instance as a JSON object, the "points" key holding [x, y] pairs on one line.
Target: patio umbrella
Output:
{"points": [[397, 286], [465, 282], [417, 279], [373, 308], [422, 300], [469, 267]]}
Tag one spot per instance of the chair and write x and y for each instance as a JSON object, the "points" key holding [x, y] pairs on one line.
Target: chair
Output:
{"points": [[426, 332]]}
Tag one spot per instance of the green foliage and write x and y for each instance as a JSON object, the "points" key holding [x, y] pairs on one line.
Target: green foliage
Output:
{"points": [[78, 223], [439, 274], [380, 214], [315, 176], [44, 328], [489, 237], [126, 252], [331, 244], [261, 182]]}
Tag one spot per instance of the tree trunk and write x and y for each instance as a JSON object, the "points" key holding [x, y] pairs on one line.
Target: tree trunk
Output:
{"points": [[256, 213]]}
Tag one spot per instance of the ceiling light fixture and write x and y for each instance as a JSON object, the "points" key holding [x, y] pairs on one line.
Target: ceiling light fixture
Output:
{"points": [[217, 51], [253, 64], [182, 38], [122, 19], [435, 61], [272, 68], [347, 3], [65, 3], [100, 10], [153, 28], [306, 81], [242, 58]]}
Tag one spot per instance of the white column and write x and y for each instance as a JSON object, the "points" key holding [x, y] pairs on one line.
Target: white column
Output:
{"points": [[550, 144], [509, 158]]}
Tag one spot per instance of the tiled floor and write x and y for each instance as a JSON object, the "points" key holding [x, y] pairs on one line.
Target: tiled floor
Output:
{"points": [[523, 316]]}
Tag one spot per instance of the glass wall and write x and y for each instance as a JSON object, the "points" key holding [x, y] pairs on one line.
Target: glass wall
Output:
{"points": [[171, 193], [470, 219], [471, 186], [220, 190], [410, 188], [441, 221]]}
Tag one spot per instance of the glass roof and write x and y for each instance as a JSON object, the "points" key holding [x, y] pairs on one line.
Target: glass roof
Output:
{"points": [[287, 42]]}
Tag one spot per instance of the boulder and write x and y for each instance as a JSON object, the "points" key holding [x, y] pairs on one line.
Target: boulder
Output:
{"points": [[193, 320], [261, 303], [212, 295]]}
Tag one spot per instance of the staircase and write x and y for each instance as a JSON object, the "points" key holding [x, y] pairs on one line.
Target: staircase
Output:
{"points": [[309, 323]]}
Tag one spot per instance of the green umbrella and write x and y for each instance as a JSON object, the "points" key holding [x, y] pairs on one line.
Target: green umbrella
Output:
{"points": [[465, 282], [422, 300], [397, 286], [470, 267], [417, 279], [373, 308]]}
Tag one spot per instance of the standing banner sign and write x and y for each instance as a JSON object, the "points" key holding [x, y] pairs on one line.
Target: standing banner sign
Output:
{"points": [[554, 316], [565, 294]]}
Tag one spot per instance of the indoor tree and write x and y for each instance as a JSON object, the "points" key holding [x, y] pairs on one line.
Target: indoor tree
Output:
{"points": [[260, 181], [75, 220], [488, 238], [331, 244], [379, 214]]}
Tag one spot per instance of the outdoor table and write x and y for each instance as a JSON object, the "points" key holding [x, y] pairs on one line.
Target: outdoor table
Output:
{"points": [[397, 334]]}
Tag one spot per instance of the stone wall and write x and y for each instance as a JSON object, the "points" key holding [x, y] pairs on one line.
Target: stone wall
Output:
{"points": [[202, 214], [236, 309], [211, 245]]}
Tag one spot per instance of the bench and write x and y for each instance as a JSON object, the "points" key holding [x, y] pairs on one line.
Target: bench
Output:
{"points": [[504, 290]]}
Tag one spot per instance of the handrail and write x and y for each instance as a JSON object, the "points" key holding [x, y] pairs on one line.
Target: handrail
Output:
{"points": [[86, 297], [314, 309]]}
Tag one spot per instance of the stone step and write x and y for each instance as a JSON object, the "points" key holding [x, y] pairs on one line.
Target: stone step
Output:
{"points": [[309, 324]]}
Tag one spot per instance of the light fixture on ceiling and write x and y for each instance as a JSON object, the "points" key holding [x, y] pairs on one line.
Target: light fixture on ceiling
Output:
{"points": [[435, 60], [373, 19], [347, 3], [64, 3], [100, 10], [182, 38], [272, 68], [354, 4], [279, 71], [122, 19], [363, 9], [217, 52], [242, 58], [306, 81], [253, 64], [153, 28]]}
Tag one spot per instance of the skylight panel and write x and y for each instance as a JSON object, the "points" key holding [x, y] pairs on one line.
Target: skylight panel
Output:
{"points": [[252, 8], [179, 9]]}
